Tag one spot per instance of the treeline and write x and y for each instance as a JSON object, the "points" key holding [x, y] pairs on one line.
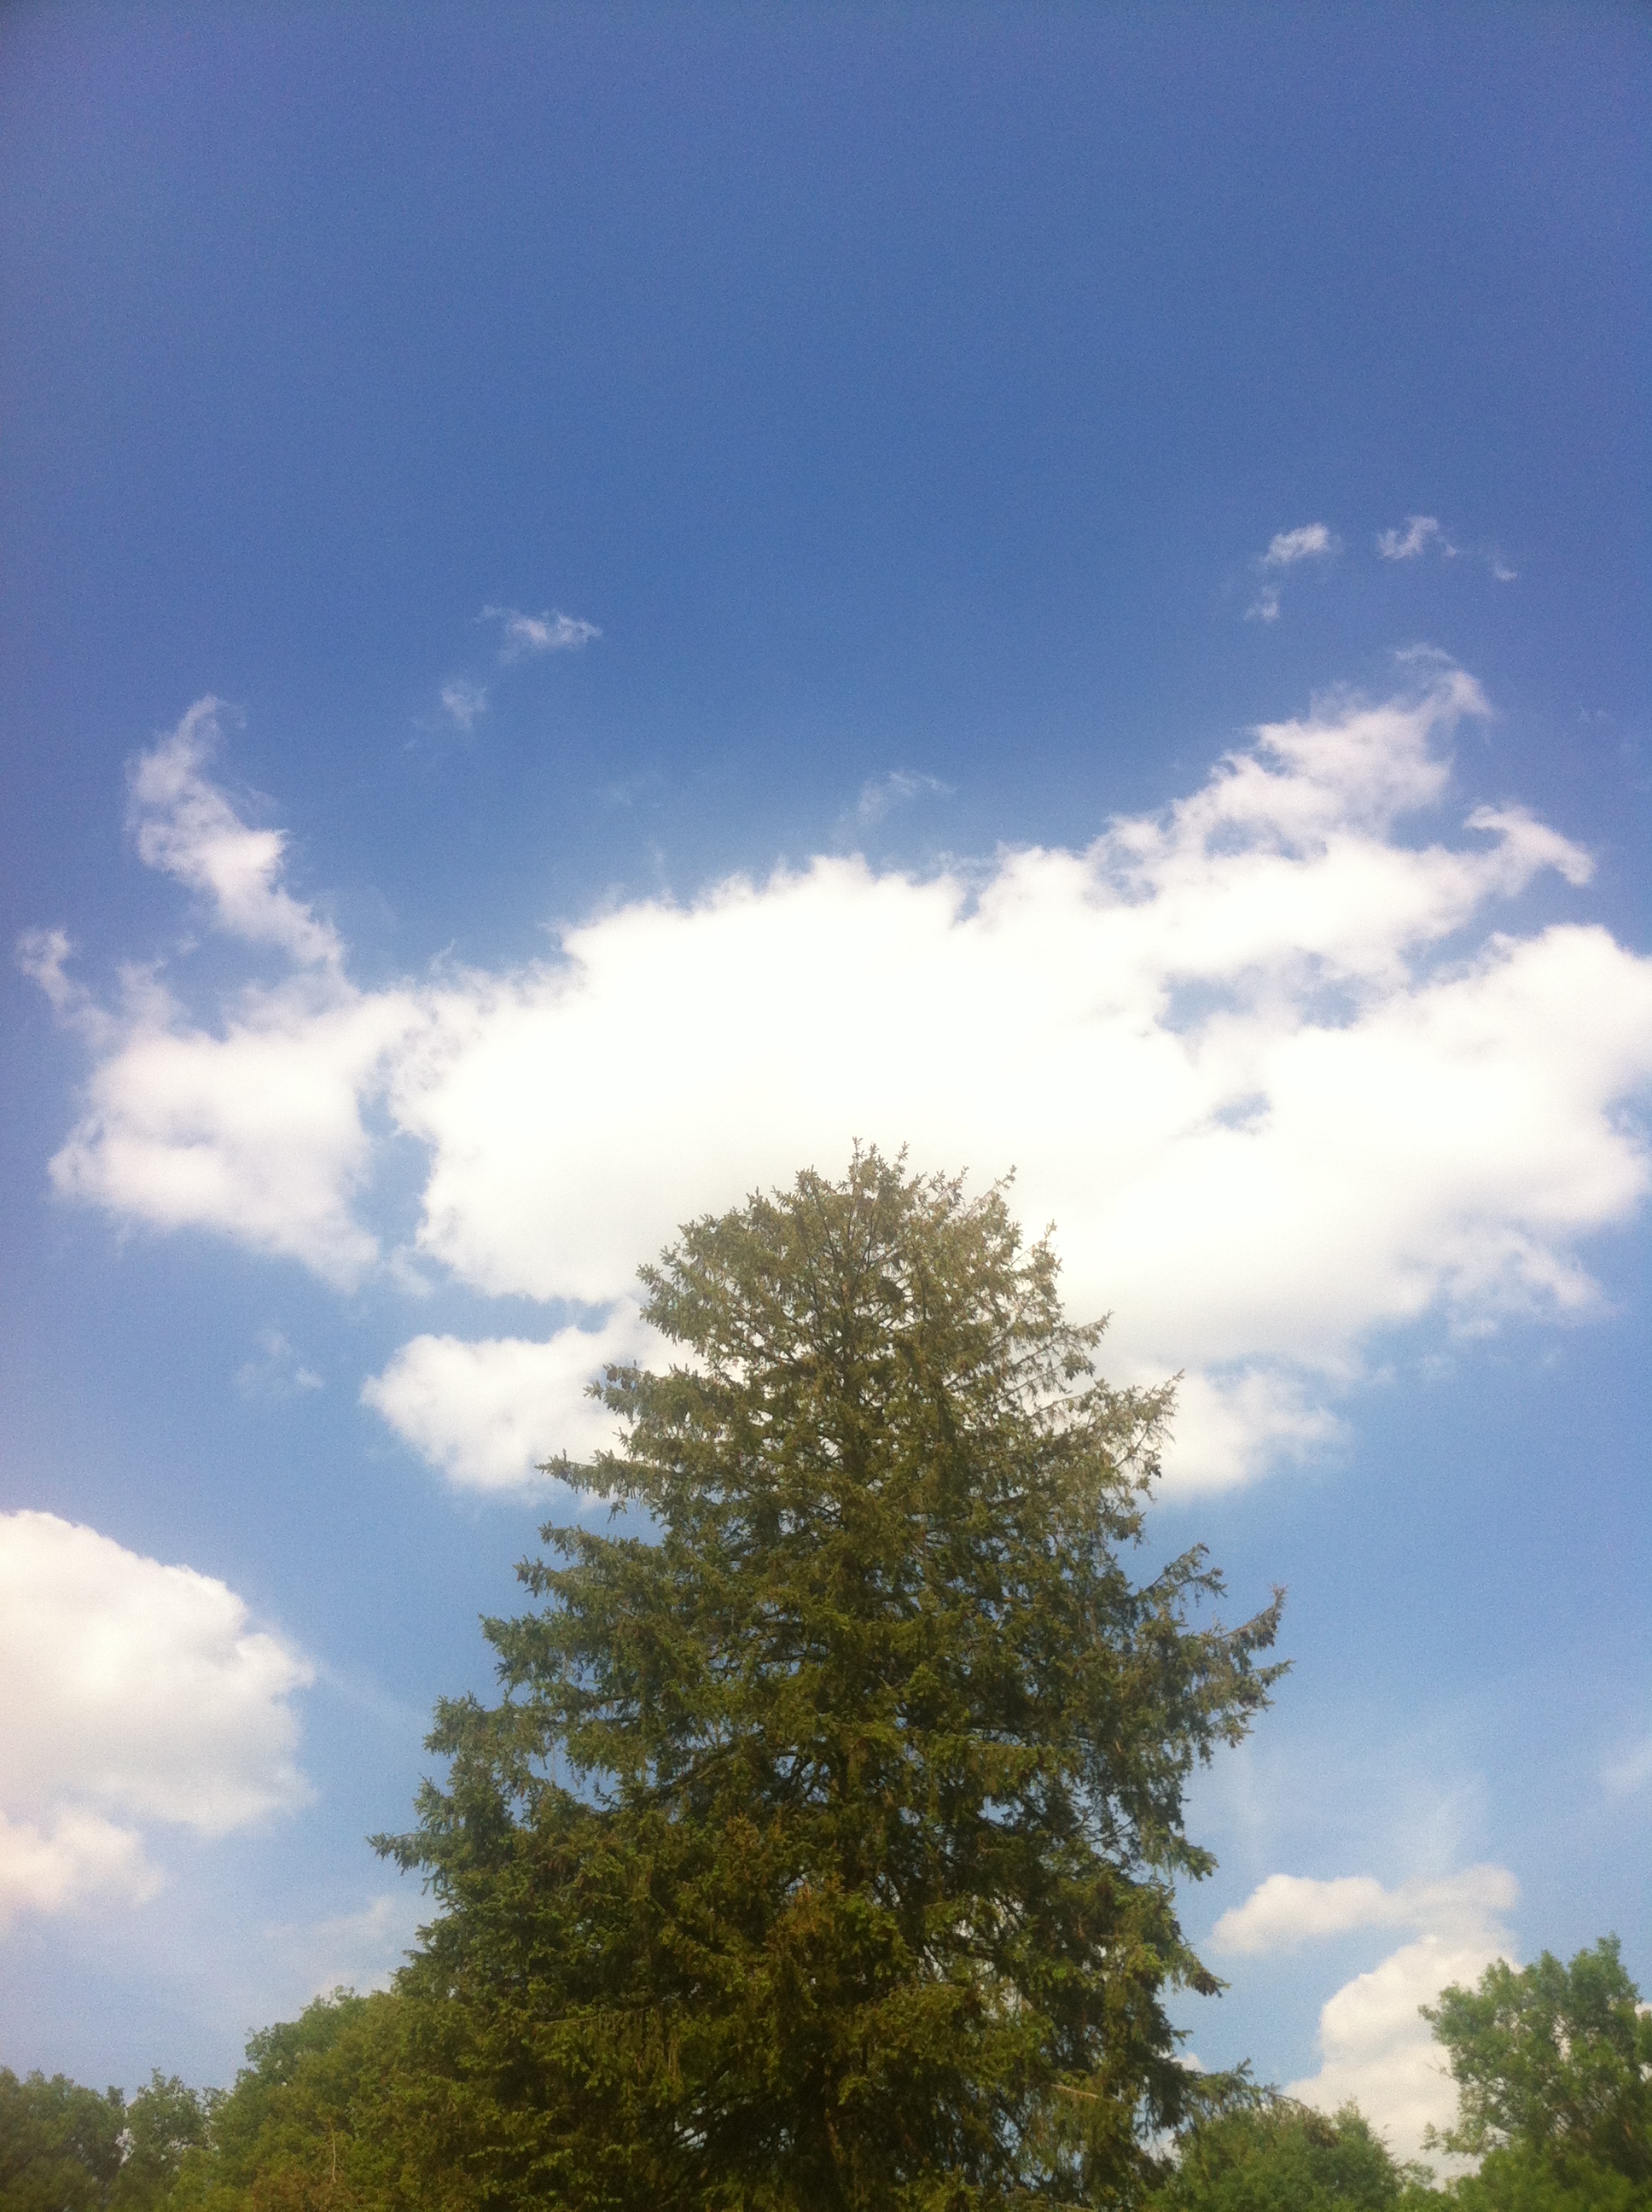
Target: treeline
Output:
{"points": [[365, 2105], [822, 1852]]}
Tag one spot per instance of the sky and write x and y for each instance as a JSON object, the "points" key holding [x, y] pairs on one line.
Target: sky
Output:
{"points": [[600, 603]]}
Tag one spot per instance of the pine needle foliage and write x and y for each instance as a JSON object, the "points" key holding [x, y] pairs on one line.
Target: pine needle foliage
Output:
{"points": [[821, 1850]]}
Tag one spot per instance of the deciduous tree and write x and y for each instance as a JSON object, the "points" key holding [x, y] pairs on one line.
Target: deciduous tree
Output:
{"points": [[1553, 2067], [1270, 2154], [64, 2148]]}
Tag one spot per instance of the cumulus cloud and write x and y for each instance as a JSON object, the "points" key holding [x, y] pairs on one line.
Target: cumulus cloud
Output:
{"points": [[252, 1127], [1376, 2049], [488, 1414], [1421, 531], [464, 701], [77, 1861], [135, 1692], [1265, 607], [1288, 1909], [551, 632], [1270, 1058]]}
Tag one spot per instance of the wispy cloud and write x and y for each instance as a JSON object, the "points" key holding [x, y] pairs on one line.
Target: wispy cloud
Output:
{"points": [[182, 823], [465, 700], [276, 1373], [1421, 531], [551, 632], [1633, 1770], [44, 956], [1312, 541], [881, 794], [358, 1951], [1424, 533], [1287, 548]]}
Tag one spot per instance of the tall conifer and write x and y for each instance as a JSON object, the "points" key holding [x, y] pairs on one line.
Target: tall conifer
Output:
{"points": [[820, 1851]]}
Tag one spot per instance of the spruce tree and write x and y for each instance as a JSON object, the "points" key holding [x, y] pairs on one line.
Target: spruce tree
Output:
{"points": [[821, 1850]]}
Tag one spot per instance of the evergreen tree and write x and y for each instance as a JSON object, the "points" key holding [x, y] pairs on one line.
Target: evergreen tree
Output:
{"points": [[820, 1853]]}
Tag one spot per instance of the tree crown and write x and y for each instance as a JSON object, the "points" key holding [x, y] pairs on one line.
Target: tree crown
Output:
{"points": [[839, 1815], [1552, 2059]]}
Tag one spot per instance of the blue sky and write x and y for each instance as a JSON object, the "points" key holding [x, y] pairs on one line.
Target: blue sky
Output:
{"points": [[1065, 587]]}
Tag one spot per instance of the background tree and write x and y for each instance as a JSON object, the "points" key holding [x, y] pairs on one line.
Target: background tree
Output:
{"points": [[67, 2148], [1270, 2154], [348, 2108], [59, 2143], [1553, 2067], [821, 1850]]}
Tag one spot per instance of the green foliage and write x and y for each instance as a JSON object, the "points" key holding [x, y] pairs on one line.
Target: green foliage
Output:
{"points": [[1512, 2180], [164, 2124], [820, 1853], [1274, 2155], [348, 2108], [1554, 2063], [65, 2149], [59, 2143]]}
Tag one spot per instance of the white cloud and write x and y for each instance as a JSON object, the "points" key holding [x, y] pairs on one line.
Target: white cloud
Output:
{"points": [[1287, 1910], [79, 1860], [1378, 2052], [186, 825], [1224, 1046], [1421, 531], [881, 795], [44, 956], [1228, 1425], [551, 632], [488, 1414], [253, 1128], [465, 700], [1311, 542], [133, 1690], [1376, 2049]]}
